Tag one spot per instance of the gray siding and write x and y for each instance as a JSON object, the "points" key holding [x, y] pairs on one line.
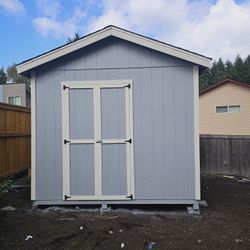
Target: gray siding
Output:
{"points": [[163, 117]]}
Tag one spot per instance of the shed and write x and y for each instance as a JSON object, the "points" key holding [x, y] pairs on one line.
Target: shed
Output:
{"points": [[115, 121]]}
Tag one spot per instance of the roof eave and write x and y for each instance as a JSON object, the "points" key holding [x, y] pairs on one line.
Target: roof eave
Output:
{"points": [[119, 33]]}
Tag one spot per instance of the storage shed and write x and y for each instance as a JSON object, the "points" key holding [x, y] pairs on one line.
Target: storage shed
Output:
{"points": [[115, 121]]}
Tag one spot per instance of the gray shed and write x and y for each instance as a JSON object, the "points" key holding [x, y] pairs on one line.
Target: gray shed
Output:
{"points": [[115, 121]]}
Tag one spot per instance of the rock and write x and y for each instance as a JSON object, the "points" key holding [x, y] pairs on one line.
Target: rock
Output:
{"points": [[8, 208], [238, 240]]}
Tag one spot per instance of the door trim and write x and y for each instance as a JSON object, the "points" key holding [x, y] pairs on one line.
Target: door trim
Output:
{"points": [[96, 86]]}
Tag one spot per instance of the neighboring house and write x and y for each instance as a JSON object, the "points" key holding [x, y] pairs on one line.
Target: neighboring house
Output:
{"points": [[115, 121], [15, 93], [225, 109]]}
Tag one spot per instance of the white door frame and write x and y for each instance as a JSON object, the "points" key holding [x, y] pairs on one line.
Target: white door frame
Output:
{"points": [[66, 141]]}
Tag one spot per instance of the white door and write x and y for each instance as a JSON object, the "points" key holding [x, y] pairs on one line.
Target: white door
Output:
{"points": [[97, 126]]}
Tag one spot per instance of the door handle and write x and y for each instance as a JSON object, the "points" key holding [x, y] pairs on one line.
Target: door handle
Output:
{"points": [[99, 141]]}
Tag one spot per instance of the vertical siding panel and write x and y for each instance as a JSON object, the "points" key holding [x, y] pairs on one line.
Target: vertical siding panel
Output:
{"points": [[49, 124], [145, 136], [57, 135], [190, 177], [180, 135], [158, 134], [40, 136], [169, 143]]}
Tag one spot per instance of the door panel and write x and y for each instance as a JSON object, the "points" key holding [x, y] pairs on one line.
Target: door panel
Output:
{"points": [[81, 114], [113, 113], [114, 169], [82, 174]]}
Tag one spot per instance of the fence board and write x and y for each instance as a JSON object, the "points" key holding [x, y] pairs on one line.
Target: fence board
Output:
{"points": [[225, 154], [15, 139]]}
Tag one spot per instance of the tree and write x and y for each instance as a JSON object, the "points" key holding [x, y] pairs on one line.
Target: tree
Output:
{"points": [[247, 68], [204, 79], [228, 69], [3, 76], [239, 71], [14, 77], [74, 38]]}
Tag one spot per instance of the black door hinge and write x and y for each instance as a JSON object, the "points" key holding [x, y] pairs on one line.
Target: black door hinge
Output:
{"points": [[65, 87], [128, 86], [130, 141], [66, 141], [130, 197], [66, 197]]}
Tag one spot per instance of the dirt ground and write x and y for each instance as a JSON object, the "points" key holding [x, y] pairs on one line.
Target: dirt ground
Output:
{"points": [[225, 224]]}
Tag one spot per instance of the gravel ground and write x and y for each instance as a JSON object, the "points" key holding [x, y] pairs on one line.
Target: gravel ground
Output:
{"points": [[225, 224]]}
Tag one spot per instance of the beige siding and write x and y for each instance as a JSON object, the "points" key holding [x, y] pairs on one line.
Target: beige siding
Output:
{"points": [[225, 123]]}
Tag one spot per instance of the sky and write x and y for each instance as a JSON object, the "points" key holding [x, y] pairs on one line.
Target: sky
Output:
{"points": [[215, 28]]}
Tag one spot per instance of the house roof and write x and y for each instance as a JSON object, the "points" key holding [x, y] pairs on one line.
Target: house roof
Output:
{"points": [[119, 33], [222, 83]]}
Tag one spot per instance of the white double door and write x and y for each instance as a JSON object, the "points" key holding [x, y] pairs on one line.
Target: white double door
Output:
{"points": [[97, 126]]}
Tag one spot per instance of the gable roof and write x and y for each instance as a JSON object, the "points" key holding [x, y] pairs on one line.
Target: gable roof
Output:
{"points": [[222, 83], [119, 33]]}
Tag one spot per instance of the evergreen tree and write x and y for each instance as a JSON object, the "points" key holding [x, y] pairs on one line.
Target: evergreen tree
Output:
{"points": [[239, 72], [74, 38], [3, 76], [228, 70], [247, 68], [204, 79], [220, 70]]}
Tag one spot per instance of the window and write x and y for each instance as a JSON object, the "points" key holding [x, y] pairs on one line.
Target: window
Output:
{"points": [[221, 109], [228, 109], [16, 100], [234, 108]]}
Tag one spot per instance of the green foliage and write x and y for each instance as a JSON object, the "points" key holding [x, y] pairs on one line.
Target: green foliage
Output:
{"points": [[238, 70], [3, 76], [74, 38], [13, 77]]}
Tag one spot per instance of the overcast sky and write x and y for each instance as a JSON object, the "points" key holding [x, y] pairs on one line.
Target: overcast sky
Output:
{"points": [[213, 28]]}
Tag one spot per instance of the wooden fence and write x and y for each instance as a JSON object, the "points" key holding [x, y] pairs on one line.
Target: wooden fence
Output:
{"points": [[222, 154], [15, 139]]}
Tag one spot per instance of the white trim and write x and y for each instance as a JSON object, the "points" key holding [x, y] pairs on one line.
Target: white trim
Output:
{"points": [[93, 84], [65, 135], [98, 146], [33, 135], [101, 198], [120, 33], [196, 133], [131, 129], [82, 141]]}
